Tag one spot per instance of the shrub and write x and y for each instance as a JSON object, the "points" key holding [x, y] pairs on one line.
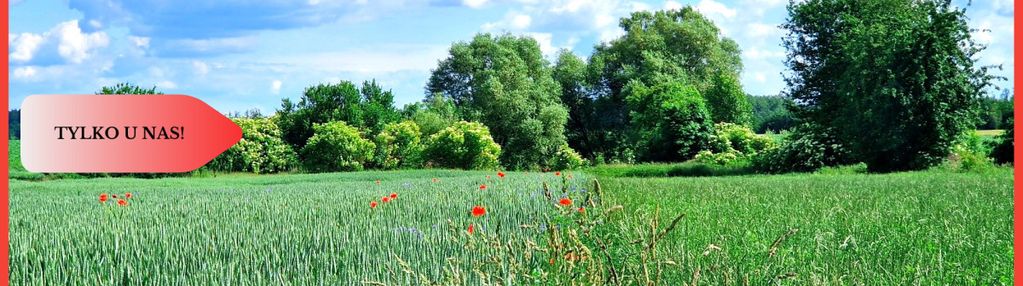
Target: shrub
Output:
{"points": [[805, 149], [1002, 153], [738, 138], [465, 145], [567, 159], [670, 120], [723, 158], [398, 146], [335, 146], [261, 149]]}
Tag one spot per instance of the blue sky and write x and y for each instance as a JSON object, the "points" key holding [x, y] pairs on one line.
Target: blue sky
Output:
{"points": [[239, 54]]}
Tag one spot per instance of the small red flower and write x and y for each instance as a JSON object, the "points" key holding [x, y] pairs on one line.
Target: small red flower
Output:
{"points": [[500, 174], [557, 173], [122, 202], [394, 196], [373, 204], [582, 210], [127, 195], [565, 202], [103, 198], [483, 187], [115, 196], [386, 199], [470, 228], [478, 211]]}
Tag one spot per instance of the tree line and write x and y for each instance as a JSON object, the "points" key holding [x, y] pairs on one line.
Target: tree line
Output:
{"points": [[893, 84]]}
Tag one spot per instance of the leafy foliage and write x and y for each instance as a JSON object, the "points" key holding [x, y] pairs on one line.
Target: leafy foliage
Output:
{"points": [[463, 145], [771, 113], [260, 150], [127, 88], [368, 108], [894, 81], [505, 83], [432, 115], [1003, 152], [398, 146], [336, 146], [567, 159], [670, 121], [805, 149]]}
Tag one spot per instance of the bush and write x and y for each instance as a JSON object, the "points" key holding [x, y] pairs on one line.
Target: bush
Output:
{"points": [[398, 146], [723, 158], [738, 138], [807, 148], [261, 149], [335, 146], [670, 120], [567, 159], [1002, 153], [464, 145]]}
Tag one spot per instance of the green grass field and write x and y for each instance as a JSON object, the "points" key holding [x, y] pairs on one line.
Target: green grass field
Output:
{"points": [[931, 227]]}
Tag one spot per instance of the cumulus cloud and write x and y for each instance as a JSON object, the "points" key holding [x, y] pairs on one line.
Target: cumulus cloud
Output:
{"points": [[275, 86], [201, 68], [66, 40], [715, 9], [475, 4]]}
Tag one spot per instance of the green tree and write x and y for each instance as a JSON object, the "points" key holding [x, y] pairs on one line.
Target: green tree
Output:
{"points": [[127, 88], [398, 146], [505, 83], [670, 121], [368, 108], [896, 81], [260, 150], [570, 73], [432, 115], [464, 145], [336, 146], [678, 45]]}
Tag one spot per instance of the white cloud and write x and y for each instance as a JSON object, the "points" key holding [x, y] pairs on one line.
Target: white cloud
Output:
{"points": [[672, 5], [201, 68], [757, 53], [166, 84], [25, 72], [521, 21], [275, 86], [139, 42], [714, 8], [760, 77], [545, 42], [475, 4], [763, 30], [75, 46], [24, 45]]}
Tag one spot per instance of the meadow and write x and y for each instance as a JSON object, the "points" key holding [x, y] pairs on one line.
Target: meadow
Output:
{"points": [[931, 227]]}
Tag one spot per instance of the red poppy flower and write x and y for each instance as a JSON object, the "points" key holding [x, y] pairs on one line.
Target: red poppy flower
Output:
{"points": [[127, 195], [557, 173], [582, 210], [483, 187], [394, 195], [103, 198], [122, 202], [478, 211], [565, 202], [500, 174], [386, 199], [470, 228], [373, 204]]}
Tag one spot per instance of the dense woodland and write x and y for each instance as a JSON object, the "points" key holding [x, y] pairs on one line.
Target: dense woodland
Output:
{"points": [[668, 90]]}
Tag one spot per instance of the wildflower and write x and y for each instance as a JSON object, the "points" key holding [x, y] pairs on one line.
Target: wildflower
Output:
{"points": [[565, 202], [103, 197], [470, 228], [386, 199], [582, 210], [483, 187], [122, 202], [558, 173], [115, 196], [500, 174], [127, 195], [394, 196], [373, 204], [478, 211]]}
